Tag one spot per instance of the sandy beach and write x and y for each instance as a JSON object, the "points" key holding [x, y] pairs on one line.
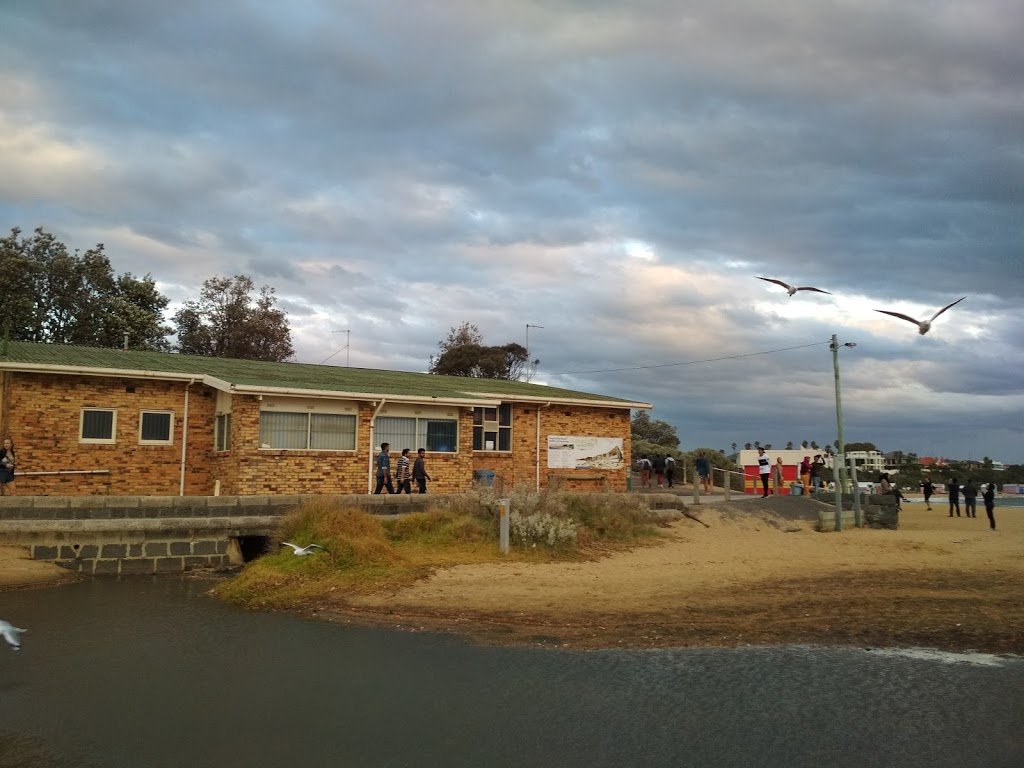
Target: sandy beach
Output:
{"points": [[757, 574]]}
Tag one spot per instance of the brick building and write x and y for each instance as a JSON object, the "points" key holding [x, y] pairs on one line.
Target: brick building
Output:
{"points": [[100, 421]]}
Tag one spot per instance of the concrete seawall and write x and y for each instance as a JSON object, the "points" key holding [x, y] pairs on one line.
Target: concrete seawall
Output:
{"points": [[158, 534]]}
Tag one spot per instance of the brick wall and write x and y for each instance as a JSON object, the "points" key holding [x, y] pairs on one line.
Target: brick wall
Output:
{"points": [[42, 413]]}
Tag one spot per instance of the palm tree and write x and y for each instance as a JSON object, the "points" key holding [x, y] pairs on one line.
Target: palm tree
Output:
{"points": [[789, 446], [814, 444], [804, 445], [734, 447], [767, 446], [746, 446], [757, 443]]}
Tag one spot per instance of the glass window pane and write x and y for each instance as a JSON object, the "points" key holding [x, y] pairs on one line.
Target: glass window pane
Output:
{"points": [[397, 430], [478, 415], [97, 425], [478, 438], [222, 441], [283, 430], [156, 427], [330, 432], [505, 415], [442, 435], [504, 439]]}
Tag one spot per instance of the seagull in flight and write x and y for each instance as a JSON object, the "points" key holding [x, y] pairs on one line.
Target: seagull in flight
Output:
{"points": [[791, 289], [10, 634], [302, 551], [923, 326]]}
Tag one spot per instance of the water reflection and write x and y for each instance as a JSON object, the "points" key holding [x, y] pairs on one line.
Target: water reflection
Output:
{"points": [[153, 673]]}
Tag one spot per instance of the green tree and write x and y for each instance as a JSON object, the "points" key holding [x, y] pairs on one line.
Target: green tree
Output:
{"points": [[859, 447], [746, 446], [463, 353], [789, 445], [51, 295], [228, 321], [643, 428]]}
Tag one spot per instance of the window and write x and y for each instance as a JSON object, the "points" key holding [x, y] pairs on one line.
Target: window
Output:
{"points": [[302, 431], [492, 428], [155, 427], [437, 435], [222, 433], [98, 425]]}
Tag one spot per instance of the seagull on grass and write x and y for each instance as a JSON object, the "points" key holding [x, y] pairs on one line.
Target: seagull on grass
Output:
{"points": [[11, 634], [923, 326], [791, 289], [302, 551]]}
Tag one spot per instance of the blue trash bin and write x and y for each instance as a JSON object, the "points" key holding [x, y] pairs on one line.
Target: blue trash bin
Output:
{"points": [[484, 477], [796, 489]]}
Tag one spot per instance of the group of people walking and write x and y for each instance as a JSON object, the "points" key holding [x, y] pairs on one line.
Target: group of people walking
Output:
{"points": [[405, 473], [663, 468]]}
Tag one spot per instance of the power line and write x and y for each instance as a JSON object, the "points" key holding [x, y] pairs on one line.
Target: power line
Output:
{"points": [[692, 362]]}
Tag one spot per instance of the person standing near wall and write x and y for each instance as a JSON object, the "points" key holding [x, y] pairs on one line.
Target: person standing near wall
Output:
{"points": [[764, 469], [817, 470], [384, 469], [989, 497], [805, 473], [402, 473], [645, 471], [7, 468], [419, 472]]}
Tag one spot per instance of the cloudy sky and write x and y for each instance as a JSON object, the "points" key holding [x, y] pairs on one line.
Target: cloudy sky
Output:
{"points": [[618, 173]]}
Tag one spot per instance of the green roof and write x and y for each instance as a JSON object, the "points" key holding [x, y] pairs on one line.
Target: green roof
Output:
{"points": [[23, 355]]}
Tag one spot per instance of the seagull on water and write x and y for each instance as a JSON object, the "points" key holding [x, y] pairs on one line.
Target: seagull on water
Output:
{"points": [[791, 289], [302, 551], [10, 634], [923, 326]]}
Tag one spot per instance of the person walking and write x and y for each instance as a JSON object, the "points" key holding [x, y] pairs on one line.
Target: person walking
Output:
{"points": [[7, 467], [670, 469], [970, 499], [658, 464], [402, 473], [764, 469], [954, 497], [645, 471], [419, 472], [384, 469], [989, 497], [927, 489], [703, 467]]}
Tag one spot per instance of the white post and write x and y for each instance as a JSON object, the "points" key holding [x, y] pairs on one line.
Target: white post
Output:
{"points": [[696, 487], [726, 484], [858, 514], [505, 509]]}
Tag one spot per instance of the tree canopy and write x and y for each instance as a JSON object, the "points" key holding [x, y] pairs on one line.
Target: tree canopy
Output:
{"points": [[463, 353], [51, 295], [643, 428], [228, 321]]}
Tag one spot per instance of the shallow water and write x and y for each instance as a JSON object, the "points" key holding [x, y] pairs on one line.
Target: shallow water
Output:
{"points": [[151, 672]]}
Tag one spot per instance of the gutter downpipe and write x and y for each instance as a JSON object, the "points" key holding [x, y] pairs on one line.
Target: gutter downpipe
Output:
{"points": [[546, 405], [184, 439], [373, 420]]}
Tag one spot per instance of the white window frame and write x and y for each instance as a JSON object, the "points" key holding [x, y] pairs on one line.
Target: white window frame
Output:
{"points": [[170, 427], [420, 427], [98, 440], [309, 435], [222, 432]]}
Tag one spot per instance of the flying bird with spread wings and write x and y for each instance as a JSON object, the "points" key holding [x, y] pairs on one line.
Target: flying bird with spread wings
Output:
{"points": [[11, 633], [791, 289], [923, 326], [302, 551]]}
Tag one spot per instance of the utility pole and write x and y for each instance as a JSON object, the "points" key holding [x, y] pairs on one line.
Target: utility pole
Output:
{"points": [[841, 457]]}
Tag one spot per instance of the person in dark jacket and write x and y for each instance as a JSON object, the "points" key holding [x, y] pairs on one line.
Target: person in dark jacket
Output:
{"points": [[658, 463], [970, 499], [7, 467], [927, 489], [954, 497], [419, 472], [989, 497]]}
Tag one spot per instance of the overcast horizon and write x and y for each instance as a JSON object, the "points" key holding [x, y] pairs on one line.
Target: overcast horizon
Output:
{"points": [[619, 175]]}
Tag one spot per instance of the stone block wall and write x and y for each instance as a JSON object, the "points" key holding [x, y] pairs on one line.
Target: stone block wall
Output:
{"points": [[879, 511]]}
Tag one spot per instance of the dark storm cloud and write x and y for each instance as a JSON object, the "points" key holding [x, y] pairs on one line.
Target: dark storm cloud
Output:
{"points": [[617, 174]]}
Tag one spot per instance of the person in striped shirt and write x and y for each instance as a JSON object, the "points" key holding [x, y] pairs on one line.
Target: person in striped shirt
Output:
{"points": [[402, 474]]}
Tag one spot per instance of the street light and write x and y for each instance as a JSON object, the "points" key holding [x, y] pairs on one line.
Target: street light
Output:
{"points": [[529, 365], [841, 456]]}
